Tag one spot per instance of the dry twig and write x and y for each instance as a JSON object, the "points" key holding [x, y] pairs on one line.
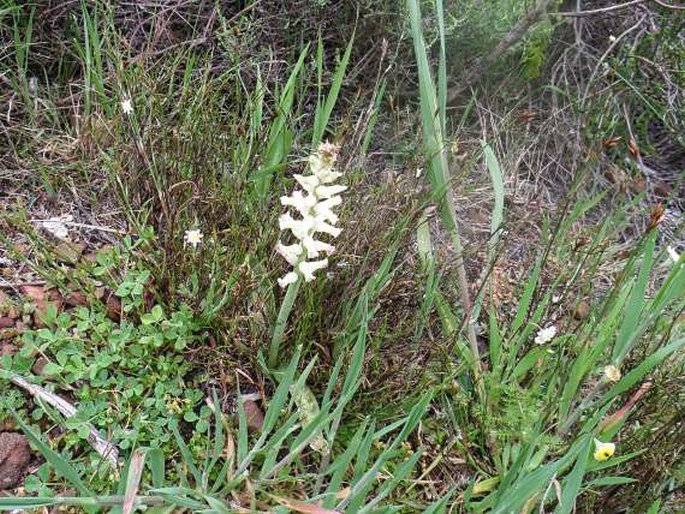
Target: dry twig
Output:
{"points": [[105, 449]]}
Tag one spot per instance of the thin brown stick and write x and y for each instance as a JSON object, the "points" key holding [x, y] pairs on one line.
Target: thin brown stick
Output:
{"points": [[669, 6], [105, 449], [601, 10]]}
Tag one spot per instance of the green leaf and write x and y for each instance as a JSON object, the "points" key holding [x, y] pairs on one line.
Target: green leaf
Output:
{"points": [[52, 368], [154, 316], [605, 481]]}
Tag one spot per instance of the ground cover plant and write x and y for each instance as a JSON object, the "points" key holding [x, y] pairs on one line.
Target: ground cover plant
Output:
{"points": [[316, 256]]}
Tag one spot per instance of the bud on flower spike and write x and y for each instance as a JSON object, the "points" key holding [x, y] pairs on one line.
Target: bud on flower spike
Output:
{"points": [[315, 206]]}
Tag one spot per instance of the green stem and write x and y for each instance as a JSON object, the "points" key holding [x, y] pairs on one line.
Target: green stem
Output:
{"points": [[279, 328]]}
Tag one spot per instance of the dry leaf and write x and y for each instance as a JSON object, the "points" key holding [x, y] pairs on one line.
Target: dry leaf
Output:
{"points": [[113, 308], [69, 253], [57, 226], [308, 409]]}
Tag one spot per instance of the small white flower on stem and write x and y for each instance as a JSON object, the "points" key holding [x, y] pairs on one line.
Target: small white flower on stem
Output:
{"points": [[127, 106], [612, 373], [193, 237], [545, 335], [673, 254]]}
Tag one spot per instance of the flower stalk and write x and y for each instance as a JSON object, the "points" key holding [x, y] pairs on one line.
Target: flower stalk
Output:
{"points": [[314, 203]]}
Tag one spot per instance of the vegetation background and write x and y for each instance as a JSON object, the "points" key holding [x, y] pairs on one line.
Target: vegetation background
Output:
{"points": [[514, 172]]}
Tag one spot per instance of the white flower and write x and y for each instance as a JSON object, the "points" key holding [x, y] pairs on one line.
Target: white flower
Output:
{"points": [[323, 192], [290, 253], [315, 206], [612, 373], [673, 254], [127, 106], [313, 247], [545, 335], [307, 268], [193, 237], [289, 278]]}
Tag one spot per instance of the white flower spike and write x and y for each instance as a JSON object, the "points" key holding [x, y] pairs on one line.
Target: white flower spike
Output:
{"points": [[314, 204], [193, 237]]}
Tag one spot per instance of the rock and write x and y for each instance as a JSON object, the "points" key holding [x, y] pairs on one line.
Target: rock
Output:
{"points": [[582, 310], [69, 253], [39, 366], [113, 308], [42, 298], [6, 322], [253, 415], [15, 457], [76, 299]]}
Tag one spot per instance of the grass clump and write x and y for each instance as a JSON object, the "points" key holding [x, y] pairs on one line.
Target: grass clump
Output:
{"points": [[493, 332]]}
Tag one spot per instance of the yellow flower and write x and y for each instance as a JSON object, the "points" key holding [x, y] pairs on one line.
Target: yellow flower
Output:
{"points": [[603, 450], [612, 373]]}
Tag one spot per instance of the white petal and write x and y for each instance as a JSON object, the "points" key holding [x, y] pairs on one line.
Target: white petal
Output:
{"points": [[308, 183], [308, 268], [545, 335], [320, 225], [323, 209], [300, 228], [290, 253], [673, 254], [314, 246], [322, 192], [127, 106], [289, 278], [303, 204]]}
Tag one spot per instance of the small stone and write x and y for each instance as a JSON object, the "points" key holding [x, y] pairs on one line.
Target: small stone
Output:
{"points": [[6, 322], [254, 415], [15, 457], [582, 310], [76, 299], [113, 308], [69, 253], [39, 365]]}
